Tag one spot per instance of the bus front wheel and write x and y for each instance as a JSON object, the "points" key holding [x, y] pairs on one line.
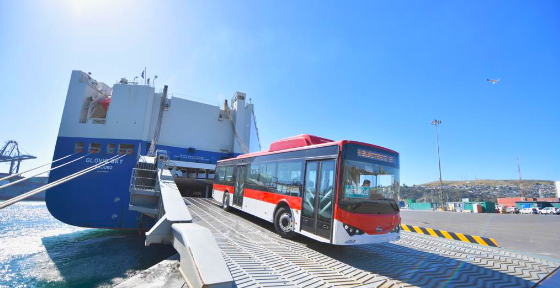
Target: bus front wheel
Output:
{"points": [[284, 223], [225, 201]]}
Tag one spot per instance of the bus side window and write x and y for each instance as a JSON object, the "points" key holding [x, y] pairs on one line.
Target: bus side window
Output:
{"points": [[267, 176], [290, 178], [221, 174], [229, 174], [253, 176]]}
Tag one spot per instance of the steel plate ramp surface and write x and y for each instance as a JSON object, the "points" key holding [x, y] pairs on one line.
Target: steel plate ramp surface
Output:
{"points": [[257, 257]]}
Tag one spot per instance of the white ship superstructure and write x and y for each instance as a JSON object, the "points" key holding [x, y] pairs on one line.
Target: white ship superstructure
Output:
{"points": [[101, 121]]}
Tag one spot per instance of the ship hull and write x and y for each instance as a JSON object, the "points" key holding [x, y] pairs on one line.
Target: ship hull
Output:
{"points": [[100, 199]]}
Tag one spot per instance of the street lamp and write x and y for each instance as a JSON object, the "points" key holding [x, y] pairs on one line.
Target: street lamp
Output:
{"points": [[436, 123]]}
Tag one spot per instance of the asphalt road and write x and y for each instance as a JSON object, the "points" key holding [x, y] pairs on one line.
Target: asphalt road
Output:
{"points": [[536, 234]]}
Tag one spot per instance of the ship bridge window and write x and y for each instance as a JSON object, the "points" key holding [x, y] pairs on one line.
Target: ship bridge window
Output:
{"points": [[94, 148], [79, 147], [111, 147], [126, 148]]}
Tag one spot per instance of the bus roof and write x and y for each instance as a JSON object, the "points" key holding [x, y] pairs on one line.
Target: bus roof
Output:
{"points": [[302, 142]]}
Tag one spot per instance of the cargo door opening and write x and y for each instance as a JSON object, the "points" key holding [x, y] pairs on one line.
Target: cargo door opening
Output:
{"points": [[194, 182]]}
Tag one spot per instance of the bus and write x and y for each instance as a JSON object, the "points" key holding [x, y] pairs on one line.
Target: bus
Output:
{"points": [[337, 192]]}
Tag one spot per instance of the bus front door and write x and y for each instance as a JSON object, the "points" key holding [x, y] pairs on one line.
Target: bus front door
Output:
{"points": [[318, 198], [240, 174]]}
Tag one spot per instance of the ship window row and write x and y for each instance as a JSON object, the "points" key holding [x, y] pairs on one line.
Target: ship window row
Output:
{"points": [[194, 173], [111, 148]]}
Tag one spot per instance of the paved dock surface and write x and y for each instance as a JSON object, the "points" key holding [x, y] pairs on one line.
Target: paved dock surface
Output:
{"points": [[535, 234], [258, 257]]}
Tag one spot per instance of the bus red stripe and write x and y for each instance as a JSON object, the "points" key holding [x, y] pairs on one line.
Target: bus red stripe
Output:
{"points": [[273, 198], [223, 188]]}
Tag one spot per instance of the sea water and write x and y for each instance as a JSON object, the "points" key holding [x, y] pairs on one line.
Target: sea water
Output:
{"points": [[36, 250]]}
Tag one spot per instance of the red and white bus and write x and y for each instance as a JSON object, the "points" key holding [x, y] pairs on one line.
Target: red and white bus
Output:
{"points": [[338, 192]]}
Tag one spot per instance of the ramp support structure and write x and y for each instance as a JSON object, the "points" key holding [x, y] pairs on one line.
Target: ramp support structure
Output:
{"points": [[202, 264]]}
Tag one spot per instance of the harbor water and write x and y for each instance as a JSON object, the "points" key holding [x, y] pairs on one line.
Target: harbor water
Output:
{"points": [[36, 250]]}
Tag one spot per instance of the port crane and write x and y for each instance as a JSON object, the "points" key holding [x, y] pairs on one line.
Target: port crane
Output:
{"points": [[10, 153]]}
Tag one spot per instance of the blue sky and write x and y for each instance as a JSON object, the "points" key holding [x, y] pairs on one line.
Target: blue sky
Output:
{"points": [[373, 71]]}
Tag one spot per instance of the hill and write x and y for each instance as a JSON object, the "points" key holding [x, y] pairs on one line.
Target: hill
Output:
{"points": [[489, 182], [479, 190]]}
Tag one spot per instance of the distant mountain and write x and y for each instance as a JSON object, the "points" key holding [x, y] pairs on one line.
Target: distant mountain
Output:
{"points": [[489, 182], [478, 190]]}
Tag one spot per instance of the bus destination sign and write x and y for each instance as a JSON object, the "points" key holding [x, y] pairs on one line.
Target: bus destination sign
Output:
{"points": [[372, 155]]}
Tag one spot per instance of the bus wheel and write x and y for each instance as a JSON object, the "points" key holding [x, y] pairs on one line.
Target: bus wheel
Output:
{"points": [[284, 223], [225, 202]]}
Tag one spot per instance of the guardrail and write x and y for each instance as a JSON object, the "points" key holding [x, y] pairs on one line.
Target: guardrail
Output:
{"points": [[143, 179]]}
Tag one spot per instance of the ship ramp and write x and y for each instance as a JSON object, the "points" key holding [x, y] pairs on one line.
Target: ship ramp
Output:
{"points": [[257, 257], [234, 249]]}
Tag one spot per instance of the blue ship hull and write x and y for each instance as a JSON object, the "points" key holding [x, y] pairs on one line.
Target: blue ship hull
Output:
{"points": [[100, 199]]}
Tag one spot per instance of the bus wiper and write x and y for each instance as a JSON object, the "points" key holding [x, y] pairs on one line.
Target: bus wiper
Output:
{"points": [[393, 204], [358, 205]]}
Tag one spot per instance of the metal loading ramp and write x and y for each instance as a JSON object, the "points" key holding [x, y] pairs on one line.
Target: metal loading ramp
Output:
{"points": [[257, 257]]}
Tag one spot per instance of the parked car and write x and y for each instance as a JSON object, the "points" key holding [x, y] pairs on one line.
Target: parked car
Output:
{"points": [[550, 211], [512, 210], [529, 211]]}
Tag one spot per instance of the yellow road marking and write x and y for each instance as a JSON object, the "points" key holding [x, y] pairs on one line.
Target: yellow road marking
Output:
{"points": [[431, 231], [446, 234], [479, 240], [405, 228], [418, 230], [462, 237]]}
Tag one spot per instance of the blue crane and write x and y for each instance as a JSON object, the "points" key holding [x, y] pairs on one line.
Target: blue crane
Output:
{"points": [[10, 153]]}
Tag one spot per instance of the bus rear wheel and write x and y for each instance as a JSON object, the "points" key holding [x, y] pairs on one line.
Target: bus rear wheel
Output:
{"points": [[225, 201], [284, 223]]}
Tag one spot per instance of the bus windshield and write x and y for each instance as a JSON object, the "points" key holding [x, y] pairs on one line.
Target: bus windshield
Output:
{"points": [[364, 180], [369, 186]]}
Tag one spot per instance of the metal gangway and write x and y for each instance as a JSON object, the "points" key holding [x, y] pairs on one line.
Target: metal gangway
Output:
{"points": [[234, 249]]}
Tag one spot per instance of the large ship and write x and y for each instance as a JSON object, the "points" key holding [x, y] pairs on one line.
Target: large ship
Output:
{"points": [[100, 122]]}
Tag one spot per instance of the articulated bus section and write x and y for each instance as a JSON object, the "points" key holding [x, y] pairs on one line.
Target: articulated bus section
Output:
{"points": [[338, 192]]}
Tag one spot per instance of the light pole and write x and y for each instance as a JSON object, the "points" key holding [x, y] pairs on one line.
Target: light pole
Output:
{"points": [[436, 123]]}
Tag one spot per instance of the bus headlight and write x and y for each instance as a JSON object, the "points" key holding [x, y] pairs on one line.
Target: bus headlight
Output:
{"points": [[352, 230], [397, 229]]}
